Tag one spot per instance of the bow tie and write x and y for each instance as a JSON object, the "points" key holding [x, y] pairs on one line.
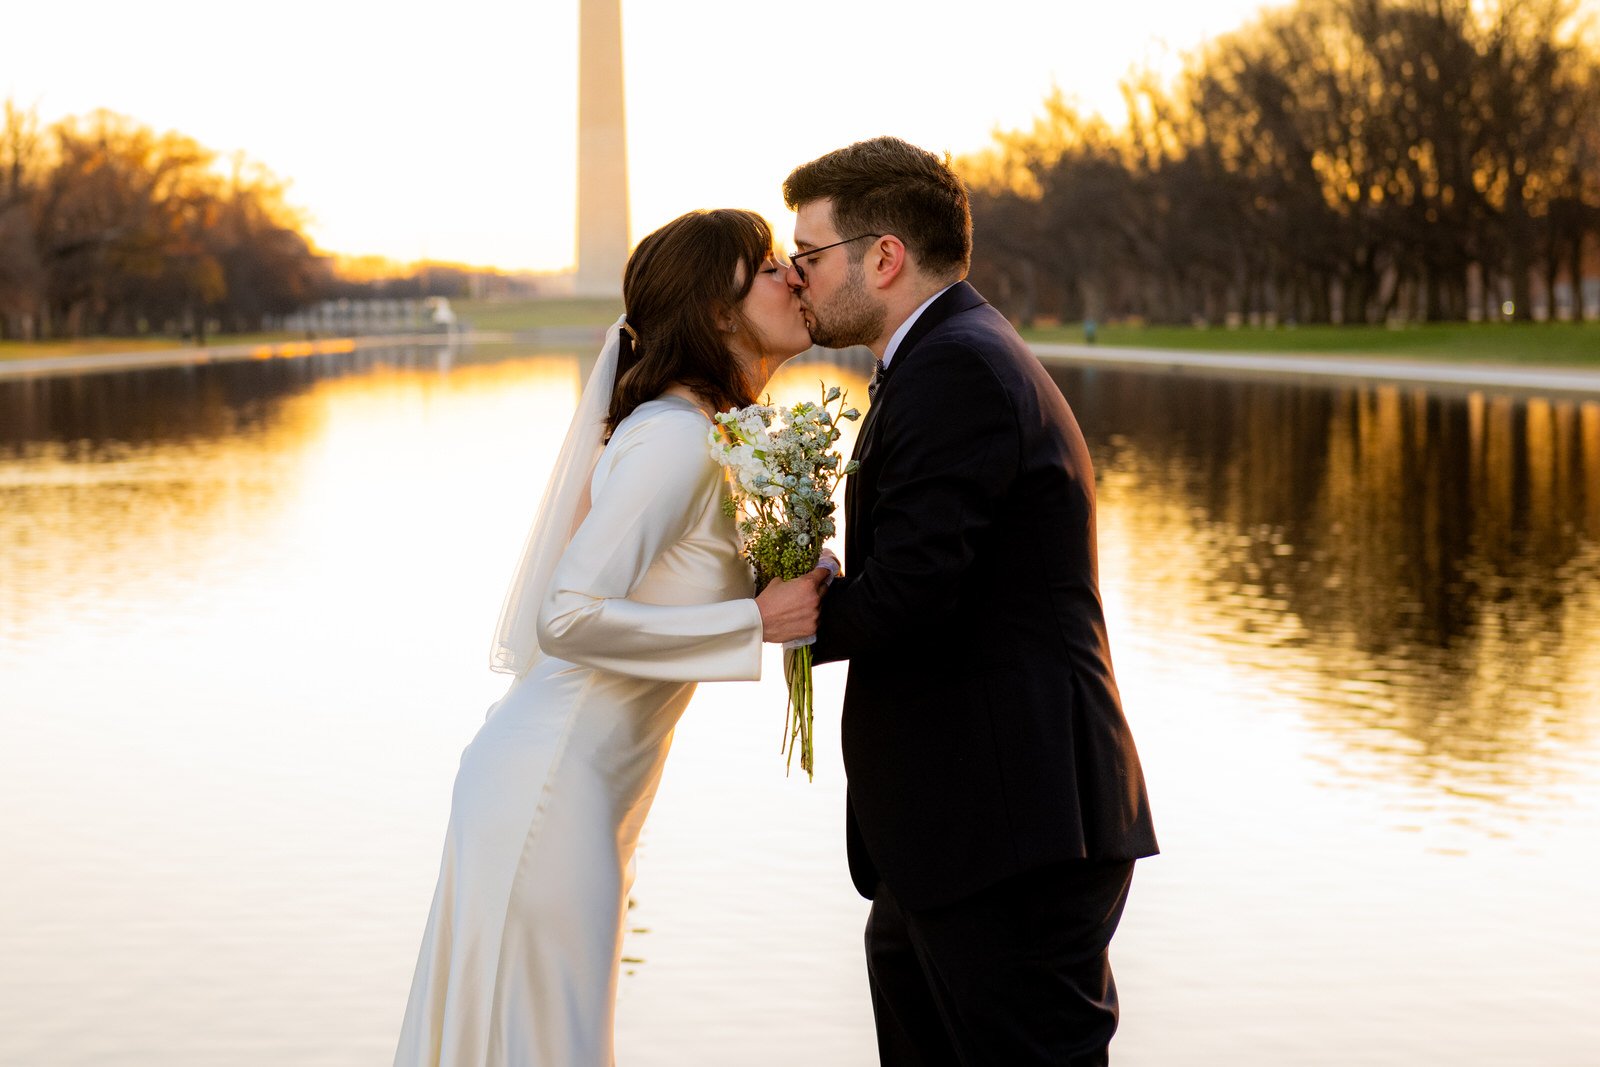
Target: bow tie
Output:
{"points": [[877, 380]]}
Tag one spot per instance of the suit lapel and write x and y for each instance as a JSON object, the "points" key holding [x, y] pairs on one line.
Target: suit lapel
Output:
{"points": [[954, 300]]}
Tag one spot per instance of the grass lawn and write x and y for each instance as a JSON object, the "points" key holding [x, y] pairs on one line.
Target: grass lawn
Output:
{"points": [[1558, 343], [489, 315], [1548, 343], [514, 315]]}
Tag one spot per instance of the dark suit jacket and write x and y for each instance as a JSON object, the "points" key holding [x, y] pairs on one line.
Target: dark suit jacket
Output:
{"points": [[983, 733]]}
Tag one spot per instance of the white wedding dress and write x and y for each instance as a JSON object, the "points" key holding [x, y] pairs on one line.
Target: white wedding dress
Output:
{"points": [[519, 960]]}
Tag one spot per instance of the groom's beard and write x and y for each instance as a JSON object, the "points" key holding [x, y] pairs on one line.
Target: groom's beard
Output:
{"points": [[850, 318]]}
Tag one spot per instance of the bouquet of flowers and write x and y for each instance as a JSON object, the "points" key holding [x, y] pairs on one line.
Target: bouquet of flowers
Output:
{"points": [[783, 477]]}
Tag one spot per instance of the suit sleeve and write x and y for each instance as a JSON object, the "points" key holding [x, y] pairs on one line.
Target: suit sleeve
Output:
{"points": [[660, 482], [947, 455]]}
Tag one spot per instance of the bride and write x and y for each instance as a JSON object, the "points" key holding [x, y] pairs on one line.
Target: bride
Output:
{"points": [[631, 590]]}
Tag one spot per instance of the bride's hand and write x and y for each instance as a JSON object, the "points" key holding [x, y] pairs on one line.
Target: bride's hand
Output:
{"points": [[789, 610]]}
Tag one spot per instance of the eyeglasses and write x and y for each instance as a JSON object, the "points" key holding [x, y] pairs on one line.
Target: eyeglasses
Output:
{"points": [[796, 257]]}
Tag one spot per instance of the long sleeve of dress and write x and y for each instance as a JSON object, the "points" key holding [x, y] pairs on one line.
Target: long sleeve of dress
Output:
{"points": [[651, 493]]}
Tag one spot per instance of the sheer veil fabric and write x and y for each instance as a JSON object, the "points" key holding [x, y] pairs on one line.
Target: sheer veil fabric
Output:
{"points": [[516, 639]]}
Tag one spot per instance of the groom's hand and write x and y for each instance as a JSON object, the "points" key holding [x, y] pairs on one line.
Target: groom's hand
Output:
{"points": [[789, 609]]}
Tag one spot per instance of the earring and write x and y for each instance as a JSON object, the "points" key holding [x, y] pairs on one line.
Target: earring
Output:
{"points": [[734, 328]]}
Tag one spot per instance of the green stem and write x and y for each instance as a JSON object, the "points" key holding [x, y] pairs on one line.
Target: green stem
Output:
{"points": [[790, 714], [803, 689], [788, 710]]}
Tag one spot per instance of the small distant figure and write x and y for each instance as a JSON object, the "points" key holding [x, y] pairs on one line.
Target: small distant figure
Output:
{"points": [[440, 313], [1088, 331]]}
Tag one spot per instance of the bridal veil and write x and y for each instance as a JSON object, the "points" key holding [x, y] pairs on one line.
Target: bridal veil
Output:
{"points": [[516, 639]]}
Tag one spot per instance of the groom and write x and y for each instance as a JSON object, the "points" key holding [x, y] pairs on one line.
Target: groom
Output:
{"points": [[996, 803]]}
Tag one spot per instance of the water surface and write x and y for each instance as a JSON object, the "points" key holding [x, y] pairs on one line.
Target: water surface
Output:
{"points": [[244, 614]]}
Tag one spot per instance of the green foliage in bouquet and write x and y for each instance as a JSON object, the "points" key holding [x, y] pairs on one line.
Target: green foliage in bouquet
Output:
{"points": [[783, 473]]}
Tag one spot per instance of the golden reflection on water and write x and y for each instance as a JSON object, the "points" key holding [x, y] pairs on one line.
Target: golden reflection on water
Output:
{"points": [[244, 620], [242, 614], [243, 625]]}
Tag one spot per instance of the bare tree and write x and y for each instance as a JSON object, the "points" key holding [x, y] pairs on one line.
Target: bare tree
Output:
{"points": [[1352, 159]]}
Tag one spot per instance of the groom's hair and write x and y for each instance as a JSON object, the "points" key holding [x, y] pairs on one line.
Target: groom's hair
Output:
{"points": [[888, 186]]}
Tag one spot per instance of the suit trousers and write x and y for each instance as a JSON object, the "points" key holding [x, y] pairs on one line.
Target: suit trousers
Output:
{"points": [[1015, 975]]}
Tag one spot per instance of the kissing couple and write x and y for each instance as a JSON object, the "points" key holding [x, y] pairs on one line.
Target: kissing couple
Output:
{"points": [[995, 807]]}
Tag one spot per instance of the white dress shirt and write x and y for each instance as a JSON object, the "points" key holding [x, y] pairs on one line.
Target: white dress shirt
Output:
{"points": [[905, 327]]}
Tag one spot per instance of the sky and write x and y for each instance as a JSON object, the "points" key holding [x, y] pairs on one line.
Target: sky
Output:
{"points": [[449, 132]]}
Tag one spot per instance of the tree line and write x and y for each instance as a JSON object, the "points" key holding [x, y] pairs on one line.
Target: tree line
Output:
{"points": [[108, 228], [1333, 160]]}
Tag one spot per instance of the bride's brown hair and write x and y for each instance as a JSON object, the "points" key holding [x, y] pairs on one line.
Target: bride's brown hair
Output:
{"points": [[678, 282]]}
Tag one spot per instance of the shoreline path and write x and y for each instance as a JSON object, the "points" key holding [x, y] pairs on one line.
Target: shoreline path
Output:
{"points": [[1498, 376]]}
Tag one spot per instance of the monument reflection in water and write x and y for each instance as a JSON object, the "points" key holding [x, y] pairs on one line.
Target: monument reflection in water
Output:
{"points": [[243, 612]]}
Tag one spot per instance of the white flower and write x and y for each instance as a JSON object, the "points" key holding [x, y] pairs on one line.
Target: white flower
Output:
{"points": [[782, 469]]}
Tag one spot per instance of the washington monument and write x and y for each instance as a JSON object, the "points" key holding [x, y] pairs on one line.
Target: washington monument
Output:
{"points": [[602, 151]]}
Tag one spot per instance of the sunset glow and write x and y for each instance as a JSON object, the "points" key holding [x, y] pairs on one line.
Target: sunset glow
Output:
{"points": [[413, 131]]}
